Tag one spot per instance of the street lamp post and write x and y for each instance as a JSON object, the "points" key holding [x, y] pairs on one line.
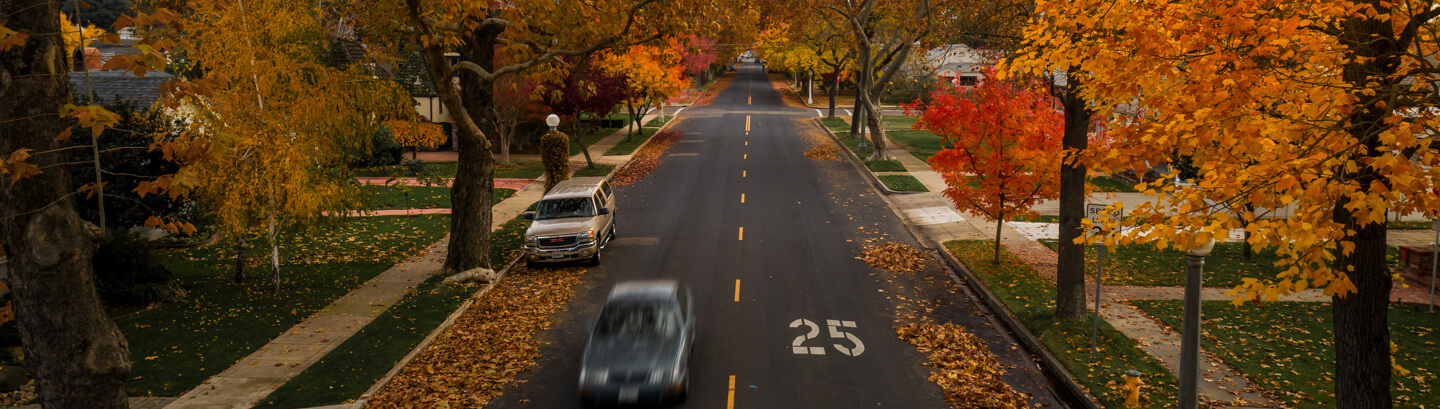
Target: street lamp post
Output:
{"points": [[1190, 331], [552, 120]]}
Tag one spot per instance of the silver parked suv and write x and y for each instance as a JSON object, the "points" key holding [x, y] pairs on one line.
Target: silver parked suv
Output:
{"points": [[572, 222]]}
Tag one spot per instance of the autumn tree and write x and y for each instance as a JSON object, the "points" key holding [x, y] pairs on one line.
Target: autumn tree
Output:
{"points": [[514, 102], [1004, 136], [883, 34], [1324, 108], [283, 121], [651, 76], [416, 133], [588, 91], [526, 31], [77, 355]]}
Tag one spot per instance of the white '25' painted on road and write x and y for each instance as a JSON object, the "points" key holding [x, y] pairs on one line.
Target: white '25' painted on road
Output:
{"points": [[799, 348]]}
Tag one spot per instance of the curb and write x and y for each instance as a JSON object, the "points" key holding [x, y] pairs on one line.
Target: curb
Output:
{"points": [[1075, 393], [855, 160], [425, 343]]}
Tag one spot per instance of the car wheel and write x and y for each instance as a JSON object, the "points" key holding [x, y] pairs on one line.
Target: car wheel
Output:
{"points": [[612, 232], [595, 260], [531, 265]]}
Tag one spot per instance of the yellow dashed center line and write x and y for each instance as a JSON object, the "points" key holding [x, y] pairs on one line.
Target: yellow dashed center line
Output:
{"points": [[742, 173], [742, 234], [744, 156], [730, 397], [737, 295], [742, 198]]}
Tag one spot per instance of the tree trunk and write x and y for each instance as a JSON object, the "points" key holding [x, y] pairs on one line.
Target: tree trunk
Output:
{"points": [[1362, 338], [877, 132], [239, 259], [834, 91], [857, 112], [999, 223], [78, 356], [575, 137], [1245, 251], [274, 253], [1070, 268]]}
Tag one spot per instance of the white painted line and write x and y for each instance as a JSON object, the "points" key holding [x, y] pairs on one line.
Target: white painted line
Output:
{"points": [[848, 113], [818, 114], [677, 113]]}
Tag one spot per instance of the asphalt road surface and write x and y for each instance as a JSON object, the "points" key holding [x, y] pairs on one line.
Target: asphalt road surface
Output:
{"points": [[765, 236]]}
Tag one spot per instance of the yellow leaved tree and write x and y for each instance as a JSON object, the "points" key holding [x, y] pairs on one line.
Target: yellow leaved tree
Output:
{"points": [[1308, 123], [652, 75]]}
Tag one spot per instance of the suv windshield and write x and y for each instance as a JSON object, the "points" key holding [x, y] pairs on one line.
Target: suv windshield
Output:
{"points": [[637, 319], [562, 208]]}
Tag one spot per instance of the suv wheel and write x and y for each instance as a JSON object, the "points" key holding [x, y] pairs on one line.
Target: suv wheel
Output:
{"points": [[595, 260]]}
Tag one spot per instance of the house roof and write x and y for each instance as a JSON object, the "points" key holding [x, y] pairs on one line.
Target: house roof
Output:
{"points": [[121, 85], [344, 52], [414, 75]]}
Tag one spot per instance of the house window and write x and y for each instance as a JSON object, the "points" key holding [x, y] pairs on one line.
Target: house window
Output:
{"points": [[968, 81]]}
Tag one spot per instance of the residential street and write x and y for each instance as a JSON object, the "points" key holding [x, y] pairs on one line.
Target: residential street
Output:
{"points": [[766, 236]]}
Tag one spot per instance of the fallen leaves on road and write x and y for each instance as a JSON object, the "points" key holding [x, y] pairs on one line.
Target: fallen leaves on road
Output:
{"points": [[714, 90], [825, 147], [824, 151], [787, 94], [896, 257], [647, 158], [966, 371], [469, 364]]}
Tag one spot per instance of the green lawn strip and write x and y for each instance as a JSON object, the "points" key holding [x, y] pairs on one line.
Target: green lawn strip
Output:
{"points": [[355, 365], [1288, 347], [595, 135], [922, 144], [656, 122], [599, 170], [1032, 299], [521, 170], [446, 169], [903, 183], [1044, 218], [1407, 225], [628, 147], [887, 165], [1142, 264], [1105, 184], [176, 346], [420, 197]]}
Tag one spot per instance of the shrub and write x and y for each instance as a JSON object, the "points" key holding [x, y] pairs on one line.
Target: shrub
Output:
{"points": [[383, 151], [129, 271], [905, 91]]}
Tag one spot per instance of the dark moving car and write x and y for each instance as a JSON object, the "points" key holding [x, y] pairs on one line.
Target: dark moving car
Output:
{"points": [[639, 348]]}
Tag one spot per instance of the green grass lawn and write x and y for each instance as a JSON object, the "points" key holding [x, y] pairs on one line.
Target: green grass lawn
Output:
{"points": [[176, 346], [1288, 348], [595, 135], [1032, 299], [599, 170], [521, 170], [355, 365], [1105, 184], [1405, 225], [1044, 218], [656, 122], [903, 183], [888, 165], [629, 147], [1141, 264], [922, 144], [421, 197], [446, 169]]}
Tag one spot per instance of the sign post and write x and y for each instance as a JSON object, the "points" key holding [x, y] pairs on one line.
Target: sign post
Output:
{"points": [[1434, 258], [1093, 211]]}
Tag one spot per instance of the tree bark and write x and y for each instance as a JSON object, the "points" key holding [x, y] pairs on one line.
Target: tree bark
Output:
{"points": [[239, 259], [1070, 269], [78, 356], [474, 184], [834, 91], [1362, 335]]}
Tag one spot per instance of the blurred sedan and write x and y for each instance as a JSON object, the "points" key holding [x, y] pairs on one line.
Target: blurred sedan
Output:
{"points": [[639, 348]]}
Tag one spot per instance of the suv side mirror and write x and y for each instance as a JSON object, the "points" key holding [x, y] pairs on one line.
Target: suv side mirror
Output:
{"points": [[604, 211], [529, 215]]}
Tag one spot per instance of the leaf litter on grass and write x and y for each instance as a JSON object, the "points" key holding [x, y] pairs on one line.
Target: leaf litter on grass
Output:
{"points": [[471, 362], [896, 257]]}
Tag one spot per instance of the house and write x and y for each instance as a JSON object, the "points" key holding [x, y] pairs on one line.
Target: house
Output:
{"points": [[954, 62], [116, 85], [414, 75]]}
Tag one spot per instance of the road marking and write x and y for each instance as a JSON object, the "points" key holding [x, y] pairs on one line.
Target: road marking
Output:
{"points": [[737, 290], [747, 143], [742, 234], [817, 112], [730, 398], [744, 156], [742, 173], [747, 123], [747, 100]]}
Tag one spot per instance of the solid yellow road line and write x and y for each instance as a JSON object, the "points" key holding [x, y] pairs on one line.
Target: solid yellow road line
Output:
{"points": [[742, 198], [730, 398], [742, 234], [737, 293]]}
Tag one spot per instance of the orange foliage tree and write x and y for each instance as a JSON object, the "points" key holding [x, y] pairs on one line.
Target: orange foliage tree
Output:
{"points": [[652, 75], [1319, 116], [416, 134], [1005, 139]]}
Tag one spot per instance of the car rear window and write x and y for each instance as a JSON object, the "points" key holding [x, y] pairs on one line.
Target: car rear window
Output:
{"points": [[636, 319], [563, 208]]}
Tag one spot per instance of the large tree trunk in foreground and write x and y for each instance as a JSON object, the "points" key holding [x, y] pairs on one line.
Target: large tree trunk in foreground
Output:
{"points": [[1070, 270], [1362, 335], [470, 196], [77, 354], [834, 89]]}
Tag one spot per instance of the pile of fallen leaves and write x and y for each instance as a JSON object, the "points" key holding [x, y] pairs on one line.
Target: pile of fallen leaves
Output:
{"points": [[966, 371], [896, 257], [825, 147], [647, 158], [823, 151], [715, 89], [787, 94], [469, 364]]}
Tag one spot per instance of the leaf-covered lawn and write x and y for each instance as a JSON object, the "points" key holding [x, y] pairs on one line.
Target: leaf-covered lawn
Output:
{"points": [[1105, 184], [922, 144], [446, 169], [625, 147], [1032, 299], [521, 170], [903, 183], [354, 366], [595, 135], [598, 170], [1288, 348], [420, 197], [517, 170], [1141, 264], [176, 346]]}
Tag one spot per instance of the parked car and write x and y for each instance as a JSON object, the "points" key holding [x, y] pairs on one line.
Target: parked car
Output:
{"points": [[639, 347], [573, 221]]}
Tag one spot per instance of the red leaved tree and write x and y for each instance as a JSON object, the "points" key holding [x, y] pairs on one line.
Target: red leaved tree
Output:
{"points": [[1004, 138]]}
